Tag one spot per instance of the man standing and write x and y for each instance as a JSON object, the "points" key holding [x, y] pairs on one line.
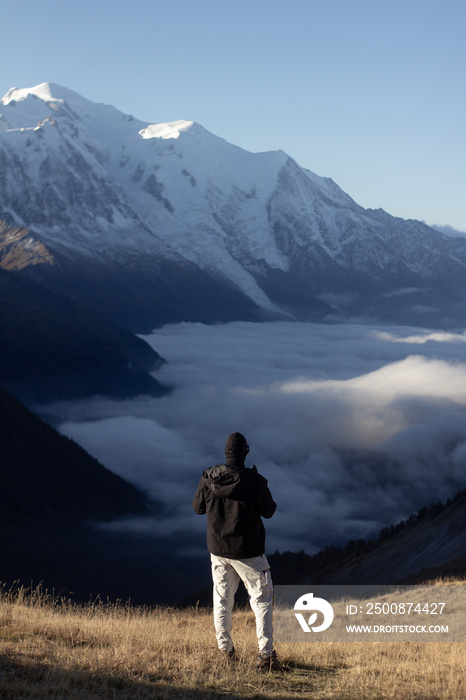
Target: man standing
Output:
{"points": [[235, 498]]}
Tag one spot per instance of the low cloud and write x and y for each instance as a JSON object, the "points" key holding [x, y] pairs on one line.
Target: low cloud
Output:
{"points": [[421, 338], [352, 426]]}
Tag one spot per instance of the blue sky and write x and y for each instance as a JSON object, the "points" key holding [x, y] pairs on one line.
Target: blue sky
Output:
{"points": [[368, 92]]}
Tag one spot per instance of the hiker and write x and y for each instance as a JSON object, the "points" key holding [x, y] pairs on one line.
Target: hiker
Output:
{"points": [[235, 498]]}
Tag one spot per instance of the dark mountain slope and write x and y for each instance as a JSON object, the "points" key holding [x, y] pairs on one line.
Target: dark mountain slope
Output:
{"points": [[146, 293], [47, 476], [52, 347], [428, 544], [54, 499], [434, 544]]}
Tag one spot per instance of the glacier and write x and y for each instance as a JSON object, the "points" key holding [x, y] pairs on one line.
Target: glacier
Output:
{"points": [[183, 215]]}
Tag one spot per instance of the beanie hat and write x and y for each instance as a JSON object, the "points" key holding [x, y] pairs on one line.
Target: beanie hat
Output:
{"points": [[236, 444]]}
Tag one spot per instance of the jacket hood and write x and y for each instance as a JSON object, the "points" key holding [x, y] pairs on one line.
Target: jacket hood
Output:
{"points": [[224, 481]]}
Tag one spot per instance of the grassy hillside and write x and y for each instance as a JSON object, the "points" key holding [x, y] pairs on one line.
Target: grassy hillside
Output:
{"points": [[53, 649]]}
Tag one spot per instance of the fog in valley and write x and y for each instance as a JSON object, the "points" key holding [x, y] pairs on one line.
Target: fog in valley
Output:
{"points": [[354, 426]]}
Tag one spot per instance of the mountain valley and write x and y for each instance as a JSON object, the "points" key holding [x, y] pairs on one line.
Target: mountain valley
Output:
{"points": [[111, 227]]}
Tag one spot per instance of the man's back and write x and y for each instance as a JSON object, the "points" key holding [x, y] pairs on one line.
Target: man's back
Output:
{"points": [[234, 499]]}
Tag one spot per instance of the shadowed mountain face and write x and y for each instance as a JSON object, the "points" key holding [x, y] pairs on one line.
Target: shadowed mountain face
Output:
{"points": [[434, 545], [429, 544], [55, 348], [47, 476], [55, 499], [152, 223]]}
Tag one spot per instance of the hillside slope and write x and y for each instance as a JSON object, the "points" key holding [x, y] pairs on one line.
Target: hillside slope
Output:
{"points": [[52, 347], [429, 544], [54, 502], [434, 546]]}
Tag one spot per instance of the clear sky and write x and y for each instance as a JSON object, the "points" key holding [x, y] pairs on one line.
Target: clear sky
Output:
{"points": [[371, 93]]}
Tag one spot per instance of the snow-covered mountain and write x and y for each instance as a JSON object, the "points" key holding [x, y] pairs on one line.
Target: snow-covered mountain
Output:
{"points": [[157, 222]]}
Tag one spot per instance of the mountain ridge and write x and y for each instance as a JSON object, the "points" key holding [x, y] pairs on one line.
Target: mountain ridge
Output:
{"points": [[251, 230], [427, 545]]}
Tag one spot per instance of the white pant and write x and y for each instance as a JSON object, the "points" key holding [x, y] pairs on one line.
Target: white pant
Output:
{"points": [[255, 574]]}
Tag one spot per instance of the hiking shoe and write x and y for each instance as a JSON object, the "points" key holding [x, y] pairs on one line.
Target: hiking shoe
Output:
{"points": [[269, 663], [229, 655]]}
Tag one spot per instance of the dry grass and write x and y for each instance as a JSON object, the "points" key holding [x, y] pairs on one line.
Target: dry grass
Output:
{"points": [[55, 649]]}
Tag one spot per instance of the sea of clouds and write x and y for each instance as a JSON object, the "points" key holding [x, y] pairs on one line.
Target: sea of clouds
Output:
{"points": [[353, 426]]}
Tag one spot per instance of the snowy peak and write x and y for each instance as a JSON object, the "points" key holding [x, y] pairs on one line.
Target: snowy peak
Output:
{"points": [[24, 107], [170, 130], [28, 108], [47, 92], [95, 184]]}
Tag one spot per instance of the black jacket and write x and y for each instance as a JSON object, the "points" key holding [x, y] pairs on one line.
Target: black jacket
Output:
{"points": [[234, 499]]}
